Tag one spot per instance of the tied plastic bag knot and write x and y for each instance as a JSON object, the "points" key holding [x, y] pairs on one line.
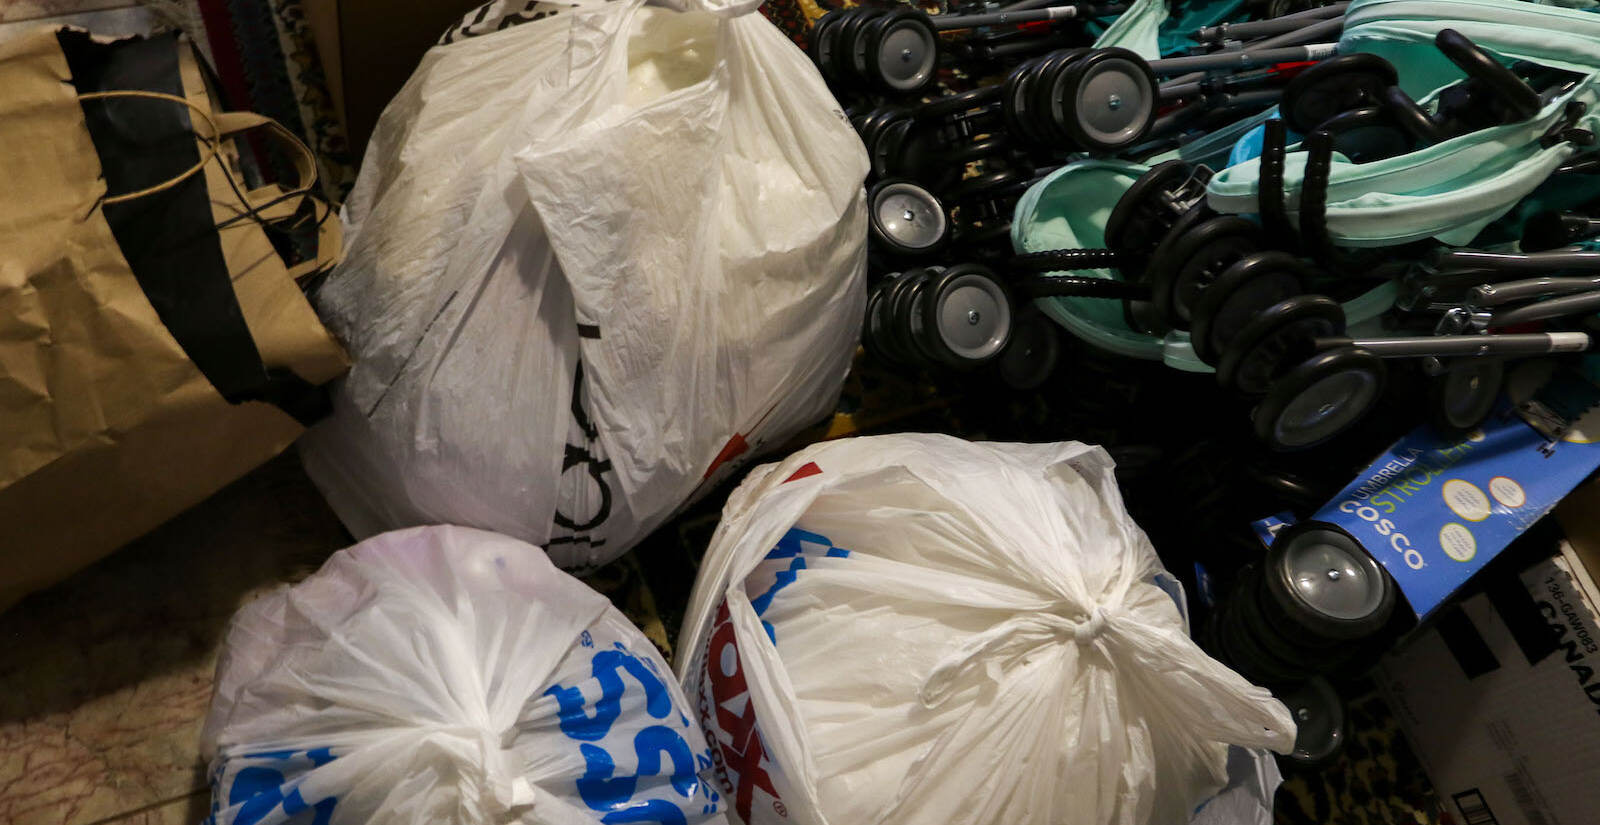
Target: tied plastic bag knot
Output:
{"points": [[1090, 628], [503, 775], [1010, 642]]}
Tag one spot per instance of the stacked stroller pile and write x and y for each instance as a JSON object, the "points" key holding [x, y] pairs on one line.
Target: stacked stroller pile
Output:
{"points": [[1302, 205]]}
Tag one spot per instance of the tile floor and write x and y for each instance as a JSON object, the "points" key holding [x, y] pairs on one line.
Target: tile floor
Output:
{"points": [[105, 678]]}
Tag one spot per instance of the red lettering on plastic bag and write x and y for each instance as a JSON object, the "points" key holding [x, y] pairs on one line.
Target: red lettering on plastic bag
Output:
{"points": [[735, 447], [730, 722], [806, 470]]}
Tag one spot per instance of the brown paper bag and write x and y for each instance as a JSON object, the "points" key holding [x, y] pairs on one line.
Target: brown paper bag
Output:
{"points": [[126, 398]]}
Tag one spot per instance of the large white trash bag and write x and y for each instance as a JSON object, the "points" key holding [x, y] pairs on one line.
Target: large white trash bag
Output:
{"points": [[444, 675], [918, 629], [597, 256]]}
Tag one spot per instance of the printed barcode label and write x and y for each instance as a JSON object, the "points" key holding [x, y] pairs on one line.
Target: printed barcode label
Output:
{"points": [[1525, 799], [1474, 808]]}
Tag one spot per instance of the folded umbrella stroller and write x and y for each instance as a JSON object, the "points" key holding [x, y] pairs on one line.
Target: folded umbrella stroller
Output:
{"points": [[1450, 190]]}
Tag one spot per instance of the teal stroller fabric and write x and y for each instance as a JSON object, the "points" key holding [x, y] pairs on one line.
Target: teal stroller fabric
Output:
{"points": [[1451, 190], [1068, 210], [1150, 28]]}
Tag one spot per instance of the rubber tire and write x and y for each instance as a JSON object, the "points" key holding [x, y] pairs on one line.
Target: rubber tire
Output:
{"points": [[1276, 329], [906, 307], [1446, 414], [1239, 293], [1350, 80], [1249, 656], [1286, 604], [1193, 261], [855, 38], [931, 304], [1031, 356], [1013, 102], [1064, 100], [1304, 654], [874, 35], [1315, 696], [1138, 269], [890, 147], [1038, 95], [896, 342], [871, 334], [1134, 210], [1323, 366], [823, 42], [880, 235]]}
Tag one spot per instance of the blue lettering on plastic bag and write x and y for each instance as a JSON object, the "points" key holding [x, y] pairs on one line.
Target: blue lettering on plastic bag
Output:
{"points": [[793, 545], [606, 667], [600, 787], [259, 790]]}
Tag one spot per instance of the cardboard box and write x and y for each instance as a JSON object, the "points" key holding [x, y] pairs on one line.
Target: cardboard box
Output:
{"points": [[1506, 740]]}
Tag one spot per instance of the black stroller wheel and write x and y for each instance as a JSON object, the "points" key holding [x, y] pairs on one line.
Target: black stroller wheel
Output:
{"points": [[902, 51], [824, 42], [1462, 398], [1321, 580], [1105, 100], [1319, 717], [858, 63], [1320, 399], [903, 314], [895, 341], [1016, 102], [912, 307], [1142, 268], [1040, 100], [1338, 84], [1144, 212], [873, 329], [966, 316], [1193, 261], [1242, 646], [921, 158], [1275, 338], [872, 125], [889, 147], [839, 41], [1252, 284], [1304, 654], [1030, 358], [905, 218]]}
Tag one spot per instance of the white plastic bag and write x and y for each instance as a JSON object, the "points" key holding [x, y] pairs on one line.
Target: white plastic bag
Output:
{"points": [[447, 675], [595, 260], [914, 628]]}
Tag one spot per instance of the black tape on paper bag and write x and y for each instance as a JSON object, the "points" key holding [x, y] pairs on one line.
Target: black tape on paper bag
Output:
{"points": [[169, 238]]}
